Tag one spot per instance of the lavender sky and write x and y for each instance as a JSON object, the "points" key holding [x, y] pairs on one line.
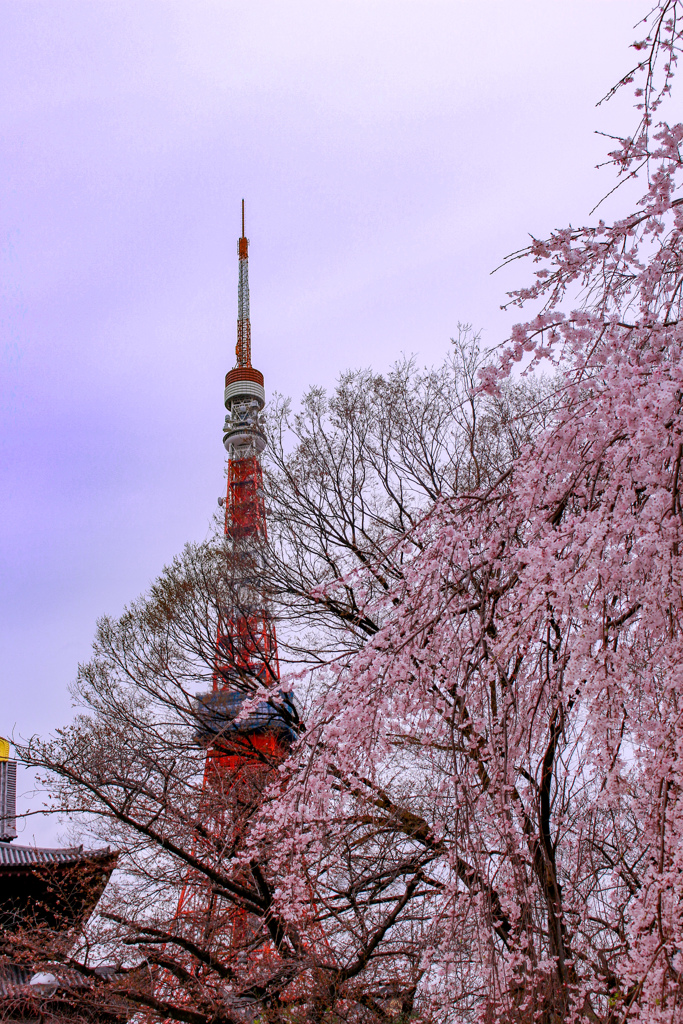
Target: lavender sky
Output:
{"points": [[390, 152]]}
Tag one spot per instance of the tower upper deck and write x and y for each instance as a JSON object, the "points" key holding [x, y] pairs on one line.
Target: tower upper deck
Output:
{"points": [[245, 395]]}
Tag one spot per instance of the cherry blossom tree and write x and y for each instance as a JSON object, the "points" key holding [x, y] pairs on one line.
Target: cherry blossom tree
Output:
{"points": [[518, 713], [272, 924], [482, 818]]}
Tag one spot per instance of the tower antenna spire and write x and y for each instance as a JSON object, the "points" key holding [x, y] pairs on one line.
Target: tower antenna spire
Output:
{"points": [[243, 347]]}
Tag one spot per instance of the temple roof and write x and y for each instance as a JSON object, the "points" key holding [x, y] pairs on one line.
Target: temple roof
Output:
{"points": [[51, 887], [58, 994], [10, 854]]}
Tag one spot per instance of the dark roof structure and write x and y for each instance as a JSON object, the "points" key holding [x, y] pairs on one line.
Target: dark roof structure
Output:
{"points": [[44, 894], [54, 888], [63, 997], [32, 855]]}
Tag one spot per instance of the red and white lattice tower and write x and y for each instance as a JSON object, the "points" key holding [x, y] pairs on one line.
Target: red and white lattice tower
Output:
{"points": [[247, 722]]}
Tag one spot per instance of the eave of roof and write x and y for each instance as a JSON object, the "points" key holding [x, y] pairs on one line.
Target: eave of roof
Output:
{"points": [[13, 856]]}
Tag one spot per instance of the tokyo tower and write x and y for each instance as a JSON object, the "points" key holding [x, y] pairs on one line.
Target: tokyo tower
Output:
{"points": [[246, 730]]}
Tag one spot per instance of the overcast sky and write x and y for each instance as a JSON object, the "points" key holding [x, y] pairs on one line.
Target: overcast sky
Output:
{"points": [[390, 153]]}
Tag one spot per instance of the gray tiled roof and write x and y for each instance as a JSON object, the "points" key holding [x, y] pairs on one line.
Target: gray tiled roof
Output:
{"points": [[13, 979], [16, 981], [11, 854]]}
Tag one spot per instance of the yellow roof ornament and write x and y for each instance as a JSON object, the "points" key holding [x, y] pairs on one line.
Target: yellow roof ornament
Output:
{"points": [[4, 749]]}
